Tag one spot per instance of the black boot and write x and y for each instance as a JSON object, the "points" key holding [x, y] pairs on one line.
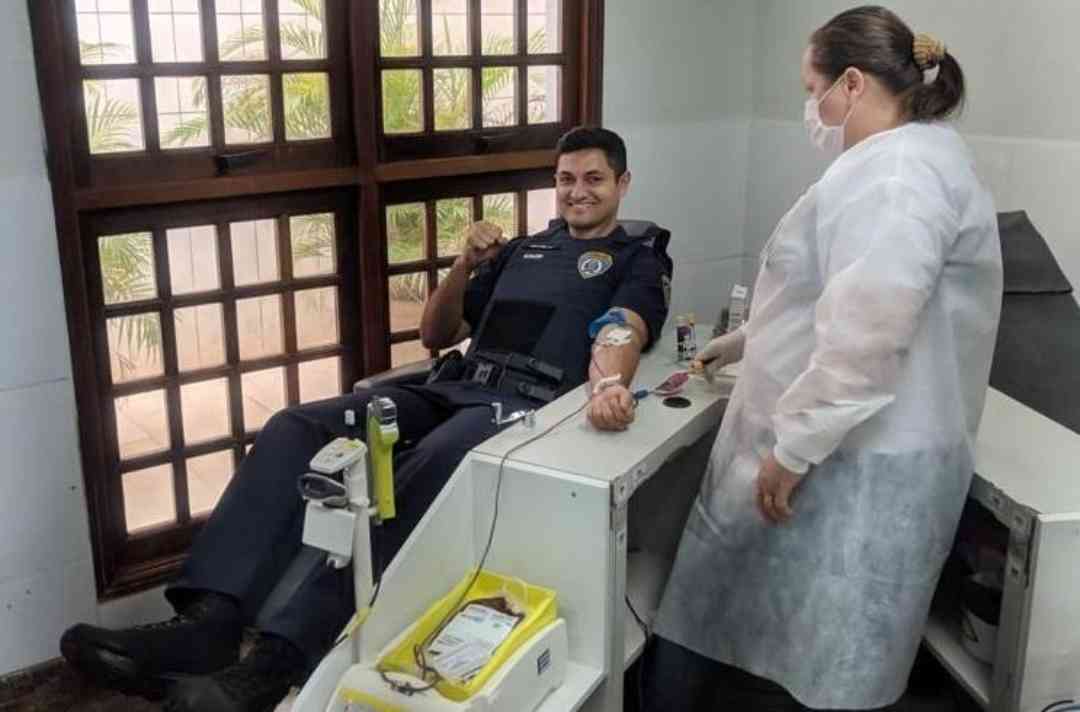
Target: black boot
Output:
{"points": [[147, 659], [255, 684]]}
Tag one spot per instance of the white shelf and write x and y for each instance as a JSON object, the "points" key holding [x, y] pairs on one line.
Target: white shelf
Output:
{"points": [[581, 682], [943, 640]]}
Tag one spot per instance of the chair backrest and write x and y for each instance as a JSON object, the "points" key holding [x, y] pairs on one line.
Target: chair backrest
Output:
{"points": [[638, 228]]}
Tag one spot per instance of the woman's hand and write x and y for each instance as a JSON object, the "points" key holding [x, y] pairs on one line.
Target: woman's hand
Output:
{"points": [[774, 488], [719, 352]]}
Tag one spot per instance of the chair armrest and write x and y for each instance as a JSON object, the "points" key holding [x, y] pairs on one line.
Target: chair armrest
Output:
{"points": [[412, 374]]}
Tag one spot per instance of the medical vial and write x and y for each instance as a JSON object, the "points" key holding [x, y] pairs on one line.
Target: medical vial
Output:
{"points": [[682, 337], [691, 344]]}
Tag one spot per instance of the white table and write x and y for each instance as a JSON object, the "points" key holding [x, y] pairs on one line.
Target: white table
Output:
{"points": [[1028, 476], [563, 512]]}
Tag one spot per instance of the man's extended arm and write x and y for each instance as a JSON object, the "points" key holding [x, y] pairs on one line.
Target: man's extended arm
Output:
{"points": [[615, 357]]}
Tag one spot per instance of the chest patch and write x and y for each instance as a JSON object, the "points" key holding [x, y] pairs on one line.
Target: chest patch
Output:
{"points": [[594, 263], [533, 256]]}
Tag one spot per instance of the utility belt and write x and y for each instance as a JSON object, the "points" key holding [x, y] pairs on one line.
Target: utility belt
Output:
{"points": [[503, 371]]}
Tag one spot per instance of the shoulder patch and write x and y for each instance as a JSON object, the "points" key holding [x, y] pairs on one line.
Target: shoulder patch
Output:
{"points": [[594, 263]]}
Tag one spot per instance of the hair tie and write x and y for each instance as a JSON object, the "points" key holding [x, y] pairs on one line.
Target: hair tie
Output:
{"points": [[928, 51]]}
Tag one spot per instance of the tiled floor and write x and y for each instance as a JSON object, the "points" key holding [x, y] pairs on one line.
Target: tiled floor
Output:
{"points": [[60, 689]]}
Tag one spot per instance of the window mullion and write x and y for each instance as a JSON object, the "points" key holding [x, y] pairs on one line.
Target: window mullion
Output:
{"points": [[232, 334], [476, 41], [521, 29], [171, 370], [288, 309]]}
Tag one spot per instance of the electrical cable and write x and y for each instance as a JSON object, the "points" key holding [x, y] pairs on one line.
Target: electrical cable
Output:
{"points": [[418, 651], [641, 660]]}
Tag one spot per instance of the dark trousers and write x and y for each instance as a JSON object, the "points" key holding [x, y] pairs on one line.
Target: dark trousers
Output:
{"points": [[679, 679], [255, 532]]}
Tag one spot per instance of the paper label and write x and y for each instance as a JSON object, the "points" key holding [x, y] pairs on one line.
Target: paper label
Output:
{"points": [[468, 641]]}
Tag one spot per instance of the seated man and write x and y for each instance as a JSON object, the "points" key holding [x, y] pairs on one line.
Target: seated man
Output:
{"points": [[534, 297]]}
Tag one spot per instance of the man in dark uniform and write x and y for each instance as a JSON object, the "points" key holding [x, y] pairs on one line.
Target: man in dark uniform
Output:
{"points": [[527, 306]]}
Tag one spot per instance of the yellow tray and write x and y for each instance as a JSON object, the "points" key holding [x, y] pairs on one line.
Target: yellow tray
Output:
{"points": [[540, 610]]}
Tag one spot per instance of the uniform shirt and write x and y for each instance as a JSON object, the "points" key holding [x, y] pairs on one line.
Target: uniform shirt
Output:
{"points": [[539, 294]]}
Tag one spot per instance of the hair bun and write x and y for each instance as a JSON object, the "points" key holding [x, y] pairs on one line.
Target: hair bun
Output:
{"points": [[928, 51]]}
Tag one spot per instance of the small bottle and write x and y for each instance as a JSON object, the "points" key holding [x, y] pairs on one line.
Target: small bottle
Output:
{"points": [[682, 337], [691, 344], [720, 328]]}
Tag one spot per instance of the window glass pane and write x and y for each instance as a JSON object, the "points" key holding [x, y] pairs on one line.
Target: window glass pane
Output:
{"points": [[501, 209], [545, 94], [399, 31], [106, 33], [402, 101], [245, 102], [499, 85], [453, 99], [407, 295], [259, 322], [205, 407], [540, 205], [316, 317], [407, 352], [175, 31], [127, 267], [452, 220], [183, 116], [301, 28], [406, 227], [208, 476], [498, 26], [193, 259], [200, 337], [148, 497], [241, 31], [142, 425], [113, 115], [320, 379], [307, 106], [312, 239], [254, 251], [134, 346], [264, 395], [545, 26], [450, 27]]}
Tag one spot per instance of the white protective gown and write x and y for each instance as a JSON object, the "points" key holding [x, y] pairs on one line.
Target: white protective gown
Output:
{"points": [[867, 356]]}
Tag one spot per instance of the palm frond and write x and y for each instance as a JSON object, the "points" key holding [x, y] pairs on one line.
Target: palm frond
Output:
{"points": [[186, 132], [304, 42], [99, 52], [233, 47], [110, 122]]}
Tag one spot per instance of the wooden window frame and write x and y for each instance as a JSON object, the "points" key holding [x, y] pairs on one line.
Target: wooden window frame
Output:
{"points": [[113, 170], [128, 551], [82, 195], [427, 192], [429, 143]]}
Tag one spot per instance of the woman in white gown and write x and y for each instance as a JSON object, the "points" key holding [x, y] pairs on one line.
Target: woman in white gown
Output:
{"points": [[807, 566]]}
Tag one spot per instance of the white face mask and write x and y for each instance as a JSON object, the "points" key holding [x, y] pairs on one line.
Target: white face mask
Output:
{"points": [[828, 139]]}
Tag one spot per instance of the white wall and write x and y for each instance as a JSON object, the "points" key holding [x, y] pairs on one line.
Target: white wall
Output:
{"points": [[1022, 120], [46, 565], [46, 570], [678, 89]]}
